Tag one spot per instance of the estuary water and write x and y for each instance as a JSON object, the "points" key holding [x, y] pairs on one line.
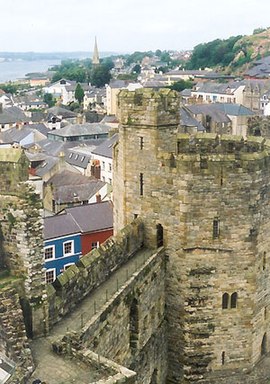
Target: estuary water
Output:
{"points": [[13, 70]]}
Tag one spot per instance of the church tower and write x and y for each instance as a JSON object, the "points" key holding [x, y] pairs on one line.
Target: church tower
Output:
{"points": [[95, 59]]}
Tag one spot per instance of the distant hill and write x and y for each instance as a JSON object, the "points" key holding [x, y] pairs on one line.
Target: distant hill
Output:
{"points": [[32, 56], [233, 55]]}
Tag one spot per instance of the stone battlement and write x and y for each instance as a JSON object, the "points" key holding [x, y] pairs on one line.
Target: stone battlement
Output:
{"points": [[209, 143], [147, 107]]}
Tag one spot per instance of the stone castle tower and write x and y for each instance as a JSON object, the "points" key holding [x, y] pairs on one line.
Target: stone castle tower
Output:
{"points": [[206, 199]]}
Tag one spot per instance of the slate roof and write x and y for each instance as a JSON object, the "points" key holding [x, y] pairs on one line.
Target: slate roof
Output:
{"points": [[187, 120], [119, 83], [93, 217], [13, 115], [40, 127], [209, 109], [60, 111], [80, 219], [48, 163], [78, 159], [81, 130], [68, 186], [219, 88], [50, 147], [60, 225], [219, 111], [72, 87], [261, 68], [106, 148], [16, 135]]}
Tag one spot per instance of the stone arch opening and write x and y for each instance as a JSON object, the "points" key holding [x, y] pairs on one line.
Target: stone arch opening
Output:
{"points": [[225, 300], [160, 239], [134, 324], [234, 300], [264, 345]]}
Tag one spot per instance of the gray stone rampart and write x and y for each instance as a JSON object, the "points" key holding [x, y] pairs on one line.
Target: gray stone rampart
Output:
{"points": [[92, 270], [109, 331]]}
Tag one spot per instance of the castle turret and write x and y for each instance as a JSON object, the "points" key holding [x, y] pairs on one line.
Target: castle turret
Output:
{"points": [[205, 198]]}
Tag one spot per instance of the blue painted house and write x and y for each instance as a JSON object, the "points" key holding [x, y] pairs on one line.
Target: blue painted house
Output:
{"points": [[62, 244]]}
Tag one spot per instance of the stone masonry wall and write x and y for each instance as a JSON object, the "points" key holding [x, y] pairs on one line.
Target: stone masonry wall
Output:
{"points": [[91, 270], [211, 195], [21, 237], [110, 332], [13, 335]]}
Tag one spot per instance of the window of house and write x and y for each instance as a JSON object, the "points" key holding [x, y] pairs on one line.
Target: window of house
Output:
{"points": [[95, 244], [110, 181], [49, 252], [103, 165], [76, 157], [82, 159], [103, 178], [110, 167], [68, 248], [50, 276], [216, 229], [66, 266], [70, 155]]}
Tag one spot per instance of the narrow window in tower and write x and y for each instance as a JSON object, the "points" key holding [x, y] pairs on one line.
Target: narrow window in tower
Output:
{"points": [[141, 142], [264, 260], [141, 184], [216, 228], [223, 358], [234, 300], [221, 176], [225, 300]]}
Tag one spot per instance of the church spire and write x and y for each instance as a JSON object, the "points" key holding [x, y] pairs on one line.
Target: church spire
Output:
{"points": [[95, 59]]}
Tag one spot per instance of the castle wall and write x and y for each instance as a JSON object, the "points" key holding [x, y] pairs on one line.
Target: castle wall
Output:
{"points": [[13, 339], [21, 237], [112, 333], [211, 197], [92, 270]]}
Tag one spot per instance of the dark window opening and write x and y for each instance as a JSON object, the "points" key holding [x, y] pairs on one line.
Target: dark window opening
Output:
{"points": [[264, 345], [234, 300], [215, 228], [159, 235], [221, 177], [141, 184], [134, 325], [225, 300], [223, 358], [264, 260], [141, 142]]}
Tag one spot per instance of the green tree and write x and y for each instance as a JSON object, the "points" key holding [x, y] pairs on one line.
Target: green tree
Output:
{"points": [[100, 75], [79, 93], [181, 85], [48, 99], [136, 68]]}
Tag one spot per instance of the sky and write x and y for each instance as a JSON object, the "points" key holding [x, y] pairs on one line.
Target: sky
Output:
{"points": [[125, 25]]}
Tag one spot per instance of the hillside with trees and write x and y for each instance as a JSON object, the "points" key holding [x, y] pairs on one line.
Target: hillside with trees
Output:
{"points": [[233, 55]]}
